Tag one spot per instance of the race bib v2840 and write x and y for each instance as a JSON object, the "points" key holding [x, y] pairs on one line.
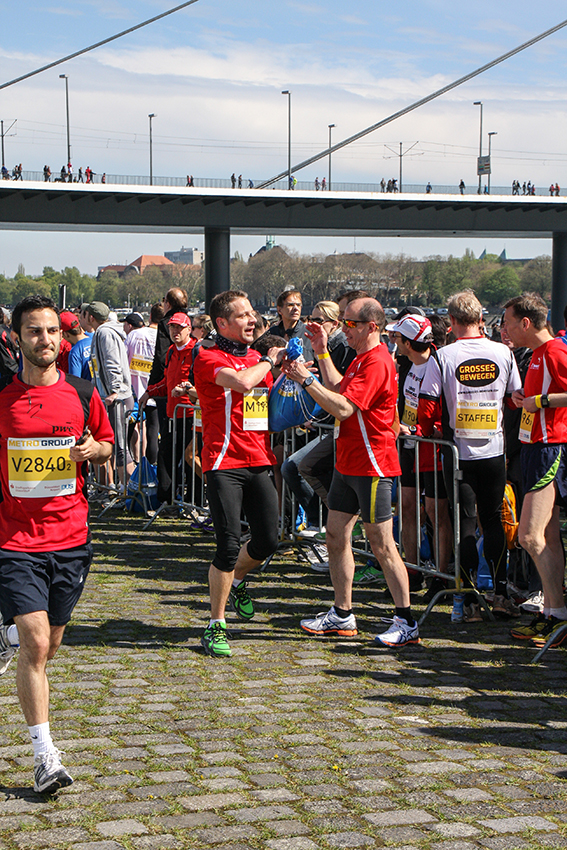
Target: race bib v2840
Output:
{"points": [[40, 467]]}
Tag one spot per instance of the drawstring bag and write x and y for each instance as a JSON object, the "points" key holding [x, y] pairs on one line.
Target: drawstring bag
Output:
{"points": [[146, 473], [288, 404]]}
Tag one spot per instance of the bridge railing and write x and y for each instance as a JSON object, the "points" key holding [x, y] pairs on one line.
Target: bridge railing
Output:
{"points": [[301, 186]]}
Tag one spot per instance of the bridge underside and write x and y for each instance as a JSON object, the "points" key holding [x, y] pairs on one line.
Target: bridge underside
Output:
{"points": [[218, 213]]}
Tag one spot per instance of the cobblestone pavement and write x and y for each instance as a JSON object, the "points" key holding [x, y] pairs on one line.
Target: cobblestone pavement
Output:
{"points": [[293, 744]]}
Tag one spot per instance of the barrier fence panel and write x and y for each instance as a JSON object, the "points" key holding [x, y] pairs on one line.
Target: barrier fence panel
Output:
{"points": [[103, 484], [190, 417]]}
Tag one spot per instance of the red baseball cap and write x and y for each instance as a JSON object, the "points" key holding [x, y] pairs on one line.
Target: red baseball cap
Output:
{"points": [[180, 319], [69, 321]]}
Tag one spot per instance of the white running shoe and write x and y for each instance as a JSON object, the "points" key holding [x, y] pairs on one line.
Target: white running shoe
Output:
{"points": [[49, 773], [7, 651], [534, 603], [330, 624], [318, 557], [399, 633]]}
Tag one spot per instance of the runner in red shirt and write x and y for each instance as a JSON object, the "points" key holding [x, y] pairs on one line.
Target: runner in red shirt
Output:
{"points": [[232, 382], [543, 432], [51, 425], [364, 404]]}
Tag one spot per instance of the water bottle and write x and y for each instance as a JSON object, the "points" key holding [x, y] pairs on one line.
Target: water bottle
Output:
{"points": [[458, 606]]}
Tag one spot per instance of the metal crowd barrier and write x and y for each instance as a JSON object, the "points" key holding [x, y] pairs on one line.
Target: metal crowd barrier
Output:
{"points": [[455, 519], [179, 481], [100, 490]]}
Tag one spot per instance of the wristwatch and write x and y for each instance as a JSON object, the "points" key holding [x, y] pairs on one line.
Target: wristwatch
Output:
{"points": [[544, 400], [266, 359], [308, 381]]}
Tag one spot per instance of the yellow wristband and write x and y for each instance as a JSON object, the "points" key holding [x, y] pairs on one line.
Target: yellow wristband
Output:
{"points": [[537, 400], [323, 356]]}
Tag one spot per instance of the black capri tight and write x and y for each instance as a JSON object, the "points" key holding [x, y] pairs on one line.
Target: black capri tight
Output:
{"points": [[230, 491]]}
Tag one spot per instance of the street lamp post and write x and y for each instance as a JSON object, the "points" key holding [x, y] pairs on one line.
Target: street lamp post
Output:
{"points": [[479, 103], [330, 128], [65, 77], [288, 138], [151, 116], [490, 135]]}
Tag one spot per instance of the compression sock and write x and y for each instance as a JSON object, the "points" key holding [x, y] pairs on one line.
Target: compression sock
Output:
{"points": [[405, 614], [343, 613], [13, 636], [41, 739]]}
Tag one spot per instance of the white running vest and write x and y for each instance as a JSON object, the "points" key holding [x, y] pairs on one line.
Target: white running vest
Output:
{"points": [[473, 375]]}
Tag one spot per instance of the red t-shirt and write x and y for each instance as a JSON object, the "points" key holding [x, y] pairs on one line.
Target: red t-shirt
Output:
{"points": [[366, 444], [177, 368], [44, 508], [235, 434], [547, 373]]}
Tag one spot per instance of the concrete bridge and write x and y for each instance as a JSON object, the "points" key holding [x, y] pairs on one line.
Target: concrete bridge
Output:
{"points": [[219, 212]]}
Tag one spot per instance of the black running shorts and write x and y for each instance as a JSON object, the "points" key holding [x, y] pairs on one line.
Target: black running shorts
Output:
{"points": [[43, 581], [371, 495]]}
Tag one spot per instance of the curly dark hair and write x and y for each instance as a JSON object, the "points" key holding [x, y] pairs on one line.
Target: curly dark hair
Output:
{"points": [[28, 305]]}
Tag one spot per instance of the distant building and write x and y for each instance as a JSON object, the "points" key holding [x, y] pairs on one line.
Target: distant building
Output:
{"points": [[188, 256], [139, 265]]}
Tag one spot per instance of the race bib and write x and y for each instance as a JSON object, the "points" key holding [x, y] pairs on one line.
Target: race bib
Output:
{"points": [[198, 421], [141, 366], [93, 366], [526, 425], [40, 467], [410, 413], [255, 409], [336, 429], [476, 420]]}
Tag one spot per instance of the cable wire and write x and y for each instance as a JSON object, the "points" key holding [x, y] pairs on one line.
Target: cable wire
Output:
{"points": [[93, 46], [413, 106]]}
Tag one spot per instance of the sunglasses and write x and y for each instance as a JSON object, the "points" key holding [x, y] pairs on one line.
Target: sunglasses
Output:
{"points": [[318, 321], [352, 323]]}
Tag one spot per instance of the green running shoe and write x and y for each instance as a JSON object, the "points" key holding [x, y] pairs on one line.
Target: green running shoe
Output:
{"points": [[241, 602], [367, 574], [214, 641]]}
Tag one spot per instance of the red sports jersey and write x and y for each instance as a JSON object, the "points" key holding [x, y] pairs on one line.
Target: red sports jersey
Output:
{"points": [[366, 444], [235, 426], [547, 373], [44, 508]]}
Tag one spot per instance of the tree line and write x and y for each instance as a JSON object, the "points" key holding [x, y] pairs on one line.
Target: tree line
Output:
{"points": [[396, 280]]}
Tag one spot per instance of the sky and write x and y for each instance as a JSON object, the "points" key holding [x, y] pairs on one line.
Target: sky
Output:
{"points": [[213, 74]]}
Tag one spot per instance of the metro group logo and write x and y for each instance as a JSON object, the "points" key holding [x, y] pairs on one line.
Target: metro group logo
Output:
{"points": [[478, 372]]}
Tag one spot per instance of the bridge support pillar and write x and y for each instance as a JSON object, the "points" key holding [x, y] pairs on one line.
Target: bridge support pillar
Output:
{"points": [[217, 262], [558, 280]]}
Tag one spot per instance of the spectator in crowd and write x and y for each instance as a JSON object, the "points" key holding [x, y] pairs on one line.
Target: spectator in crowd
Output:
{"points": [[325, 314], [236, 458], [467, 383], [413, 337], [201, 326], [543, 433], [111, 374], [289, 304], [8, 351], [364, 403], [80, 353], [45, 549], [174, 301], [140, 348], [174, 387]]}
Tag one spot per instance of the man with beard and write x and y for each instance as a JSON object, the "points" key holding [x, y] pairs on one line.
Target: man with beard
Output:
{"points": [[51, 426]]}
